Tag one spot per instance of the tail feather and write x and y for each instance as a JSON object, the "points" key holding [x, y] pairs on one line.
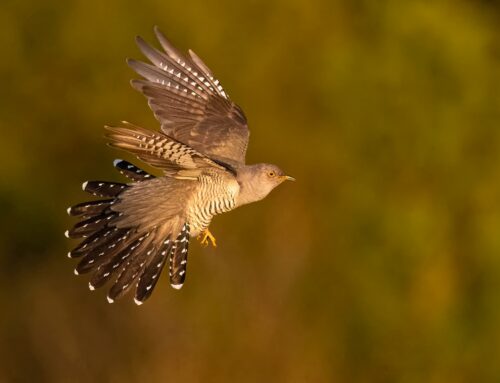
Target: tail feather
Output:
{"points": [[91, 242], [91, 225], [131, 271], [112, 247], [103, 188], [107, 270], [90, 208], [131, 171], [178, 258], [104, 252], [150, 276]]}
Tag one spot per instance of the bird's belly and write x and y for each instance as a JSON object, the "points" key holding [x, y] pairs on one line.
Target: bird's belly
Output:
{"points": [[208, 202]]}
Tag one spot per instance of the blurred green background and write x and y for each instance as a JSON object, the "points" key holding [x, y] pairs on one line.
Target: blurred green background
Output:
{"points": [[381, 264]]}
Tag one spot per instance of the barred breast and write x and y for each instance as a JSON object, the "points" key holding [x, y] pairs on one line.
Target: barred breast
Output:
{"points": [[216, 194]]}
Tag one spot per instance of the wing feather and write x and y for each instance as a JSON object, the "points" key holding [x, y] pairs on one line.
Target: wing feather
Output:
{"points": [[190, 103], [157, 149]]}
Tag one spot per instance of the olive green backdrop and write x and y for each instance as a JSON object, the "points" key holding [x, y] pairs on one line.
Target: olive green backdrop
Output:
{"points": [[380, 264]]}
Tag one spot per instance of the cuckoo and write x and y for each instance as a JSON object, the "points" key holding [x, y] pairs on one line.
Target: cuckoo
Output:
{"points": [[136, 228]]}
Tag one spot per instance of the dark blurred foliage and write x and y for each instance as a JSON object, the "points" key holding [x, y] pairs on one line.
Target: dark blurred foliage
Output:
{"points": [[381, 264]]}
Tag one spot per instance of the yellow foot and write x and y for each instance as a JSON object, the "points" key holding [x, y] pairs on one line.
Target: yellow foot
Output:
{"points": [[204, 236]]}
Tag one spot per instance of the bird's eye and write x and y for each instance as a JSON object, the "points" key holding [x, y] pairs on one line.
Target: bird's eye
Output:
{"points": [[271, 173]]}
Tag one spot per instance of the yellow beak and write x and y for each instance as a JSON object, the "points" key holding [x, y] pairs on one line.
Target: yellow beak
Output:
{"points": [[288, 178]]}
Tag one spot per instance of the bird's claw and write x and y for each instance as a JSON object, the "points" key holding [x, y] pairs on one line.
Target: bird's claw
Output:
{"points": [[205, 236]]}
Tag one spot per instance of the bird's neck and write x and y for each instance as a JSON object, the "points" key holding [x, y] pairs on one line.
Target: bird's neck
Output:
{"points": [[249, 187]]}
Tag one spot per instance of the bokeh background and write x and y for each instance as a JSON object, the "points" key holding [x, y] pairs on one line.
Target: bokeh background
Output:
{"points": [[381, 264]]}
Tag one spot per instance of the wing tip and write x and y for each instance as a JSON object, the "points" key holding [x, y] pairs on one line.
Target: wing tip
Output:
{"points": [[109, 299]]}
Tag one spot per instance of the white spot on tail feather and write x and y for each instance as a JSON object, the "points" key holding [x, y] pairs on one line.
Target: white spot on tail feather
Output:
{"points": [[84, 185], [177, 287], [138, 302]]}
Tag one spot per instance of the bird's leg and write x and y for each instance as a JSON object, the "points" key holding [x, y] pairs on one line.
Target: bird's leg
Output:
{"points": [[204, 236]]}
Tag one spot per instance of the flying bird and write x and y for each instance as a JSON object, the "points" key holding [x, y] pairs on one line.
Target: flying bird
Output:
{"points": [[136, 228]]}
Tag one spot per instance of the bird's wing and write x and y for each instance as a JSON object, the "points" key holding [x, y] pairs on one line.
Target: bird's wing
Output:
{"points": [[189, 102], [159, 150]]}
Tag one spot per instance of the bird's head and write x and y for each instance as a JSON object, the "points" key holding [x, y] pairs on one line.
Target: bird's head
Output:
{"points": [[270, 176], [258, 180]]}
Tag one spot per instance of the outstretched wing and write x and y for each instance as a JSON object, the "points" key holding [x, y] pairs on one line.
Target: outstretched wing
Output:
{"points": [[189, 102], [159, 150]]}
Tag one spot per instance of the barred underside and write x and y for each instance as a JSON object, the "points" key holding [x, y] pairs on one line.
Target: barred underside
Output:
{"points": [[216, 194]]}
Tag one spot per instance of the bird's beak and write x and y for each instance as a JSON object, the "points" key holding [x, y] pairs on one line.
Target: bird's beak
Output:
{"points": [[288, 178]]}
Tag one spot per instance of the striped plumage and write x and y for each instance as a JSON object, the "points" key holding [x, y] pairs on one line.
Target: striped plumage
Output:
{"points": [[216, 195], [129, 235]]}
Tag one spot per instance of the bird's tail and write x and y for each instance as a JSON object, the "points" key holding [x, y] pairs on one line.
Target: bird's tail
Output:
{"points": [[127, 254]]}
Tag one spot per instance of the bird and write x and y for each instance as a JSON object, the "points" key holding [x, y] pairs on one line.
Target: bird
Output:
{"points": [[136, 228]]}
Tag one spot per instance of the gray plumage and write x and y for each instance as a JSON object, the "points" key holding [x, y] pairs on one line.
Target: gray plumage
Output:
{"points": [[141, 226]]}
